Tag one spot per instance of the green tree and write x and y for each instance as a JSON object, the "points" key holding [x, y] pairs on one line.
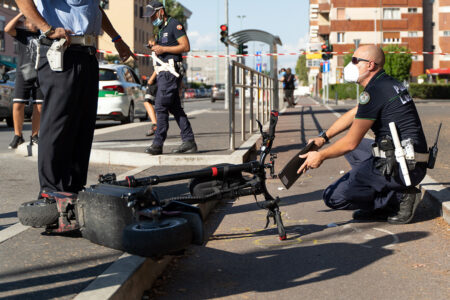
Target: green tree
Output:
{"points": [[348, 57], [398, 65], [301, 70]]}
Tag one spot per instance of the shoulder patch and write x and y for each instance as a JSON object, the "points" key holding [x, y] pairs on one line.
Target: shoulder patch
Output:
{"points": [[179, 27], [364, 98]]}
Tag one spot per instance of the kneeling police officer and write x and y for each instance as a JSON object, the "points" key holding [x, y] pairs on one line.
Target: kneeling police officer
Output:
{"points": [[375, 187]]}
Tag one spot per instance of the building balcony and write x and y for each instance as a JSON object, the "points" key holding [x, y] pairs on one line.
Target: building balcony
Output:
{"points": [[324, 7], [324, 29]]}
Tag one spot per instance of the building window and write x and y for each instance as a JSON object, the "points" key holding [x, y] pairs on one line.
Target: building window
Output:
{"points": [[413, 34], [412, 10], [391, 13], [2, 35], [447, 33], [340, 13], [391, 37], [340, 37]]}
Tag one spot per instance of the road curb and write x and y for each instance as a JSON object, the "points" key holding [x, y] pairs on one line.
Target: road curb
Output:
{"points": [[437, 195]]}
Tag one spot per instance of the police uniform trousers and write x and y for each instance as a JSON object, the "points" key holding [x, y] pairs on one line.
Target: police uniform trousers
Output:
{"points": [[168, 101], [67, 120], [364, 187]]}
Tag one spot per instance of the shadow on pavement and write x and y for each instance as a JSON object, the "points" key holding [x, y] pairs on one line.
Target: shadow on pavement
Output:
{"points": [[276, 269], [12, 214]]}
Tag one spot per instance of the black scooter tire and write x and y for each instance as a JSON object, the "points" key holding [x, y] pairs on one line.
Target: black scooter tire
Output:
{"points": [[37, 213], [156, 238]]}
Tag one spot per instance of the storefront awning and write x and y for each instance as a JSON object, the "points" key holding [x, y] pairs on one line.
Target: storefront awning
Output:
{"points": [[8, 64], [438, 71]]}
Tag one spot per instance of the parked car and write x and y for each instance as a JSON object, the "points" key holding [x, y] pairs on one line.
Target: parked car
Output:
{"points": [[7, 83], [218, 92], [121, 95], [189, 93]]}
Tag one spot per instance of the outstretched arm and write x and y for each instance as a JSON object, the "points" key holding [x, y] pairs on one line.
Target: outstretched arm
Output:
{"points": [[121, 47], [10, 28]]}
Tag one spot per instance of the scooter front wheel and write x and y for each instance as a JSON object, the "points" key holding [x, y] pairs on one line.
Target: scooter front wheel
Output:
{"points": [[158, 237]]}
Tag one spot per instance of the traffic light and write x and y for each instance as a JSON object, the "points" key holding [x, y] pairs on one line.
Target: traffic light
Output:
{"points": [[224, 33], [329, 50], [324, 52], [326, 49], [242, 49]]}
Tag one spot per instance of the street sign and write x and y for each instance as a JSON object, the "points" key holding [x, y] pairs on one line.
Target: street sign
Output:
{"points": [[326, 66], [258, 57]]}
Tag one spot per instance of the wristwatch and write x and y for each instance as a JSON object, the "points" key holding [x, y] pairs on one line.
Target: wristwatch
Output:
{"points": [[323, 135], [49, 31]]}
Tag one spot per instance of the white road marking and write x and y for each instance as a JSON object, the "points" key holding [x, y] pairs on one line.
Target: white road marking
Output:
{"points": [[125, 144], [11, 231]]}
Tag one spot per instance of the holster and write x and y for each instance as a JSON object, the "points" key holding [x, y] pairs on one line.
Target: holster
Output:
{"points": [[387, 166]]}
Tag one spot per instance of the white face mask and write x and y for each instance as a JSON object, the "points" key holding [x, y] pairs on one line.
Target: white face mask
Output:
{"points": [[351, 73]]}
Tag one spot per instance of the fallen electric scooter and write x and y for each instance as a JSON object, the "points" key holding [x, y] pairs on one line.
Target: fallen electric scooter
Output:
{"points": [[128, 215]]}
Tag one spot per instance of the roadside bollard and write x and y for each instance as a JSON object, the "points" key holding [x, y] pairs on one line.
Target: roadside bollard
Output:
{"points": [[336, 97]]}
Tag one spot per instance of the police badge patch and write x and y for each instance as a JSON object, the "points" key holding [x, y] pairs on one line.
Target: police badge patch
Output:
{"points": [[364, 98]]}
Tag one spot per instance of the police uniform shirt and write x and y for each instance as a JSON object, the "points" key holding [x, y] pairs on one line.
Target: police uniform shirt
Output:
{"points": [[24, 38], [386, 100], [82, 17], [168, 35]]}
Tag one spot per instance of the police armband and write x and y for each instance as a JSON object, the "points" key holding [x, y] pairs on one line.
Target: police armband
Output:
{"points": [[55, 55]]}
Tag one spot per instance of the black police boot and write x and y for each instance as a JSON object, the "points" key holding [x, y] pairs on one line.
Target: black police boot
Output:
{"points": [[407, 206], [154, 150], [186, 147]]}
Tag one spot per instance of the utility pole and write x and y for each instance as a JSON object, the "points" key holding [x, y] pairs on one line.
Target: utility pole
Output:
{"points": [[227, 67]]}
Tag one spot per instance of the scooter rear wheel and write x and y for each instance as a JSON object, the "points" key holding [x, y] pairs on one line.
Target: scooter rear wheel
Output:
{"points": [[38, 213]]}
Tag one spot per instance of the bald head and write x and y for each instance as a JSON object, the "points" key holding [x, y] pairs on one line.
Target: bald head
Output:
{"points": [[371, 52]]}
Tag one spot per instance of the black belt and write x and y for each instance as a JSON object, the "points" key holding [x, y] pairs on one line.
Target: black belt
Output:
{"points": [[78, 48]]}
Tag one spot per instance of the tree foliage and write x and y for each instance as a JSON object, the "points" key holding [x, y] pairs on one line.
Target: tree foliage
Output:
{"points": [[301, 70], [348, 57], [397, 65]]}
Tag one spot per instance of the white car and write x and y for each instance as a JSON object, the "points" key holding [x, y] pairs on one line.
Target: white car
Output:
{"points": [[120, 95]]}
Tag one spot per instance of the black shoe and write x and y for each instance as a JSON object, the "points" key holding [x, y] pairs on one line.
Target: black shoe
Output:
{"points": [[34, 139], [154, 150], [186, 147], [17, 140], [151, 131], [380, 214], [407, 207]]}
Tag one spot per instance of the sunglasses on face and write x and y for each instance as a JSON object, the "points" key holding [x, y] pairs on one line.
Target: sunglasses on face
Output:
{"points": [[356, 60]]}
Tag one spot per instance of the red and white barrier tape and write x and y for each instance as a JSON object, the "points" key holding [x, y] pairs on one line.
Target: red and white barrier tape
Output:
{"points": [[283, 54]]}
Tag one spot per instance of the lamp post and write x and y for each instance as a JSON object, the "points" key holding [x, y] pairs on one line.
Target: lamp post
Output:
{"points": [[357, 41], [241, 17]]}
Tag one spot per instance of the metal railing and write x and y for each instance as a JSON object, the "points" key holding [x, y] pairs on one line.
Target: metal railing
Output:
{"points": [[245, 78]]}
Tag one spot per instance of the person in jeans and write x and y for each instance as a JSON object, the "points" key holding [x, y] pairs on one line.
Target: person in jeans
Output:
{"points": [[26, 85]]}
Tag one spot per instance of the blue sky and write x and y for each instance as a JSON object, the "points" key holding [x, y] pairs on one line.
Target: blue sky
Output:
{"points": [[286, 18]]}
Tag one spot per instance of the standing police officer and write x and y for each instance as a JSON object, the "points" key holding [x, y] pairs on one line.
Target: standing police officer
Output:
{"points": [[375, 185], [171, 42], [69, 82]]}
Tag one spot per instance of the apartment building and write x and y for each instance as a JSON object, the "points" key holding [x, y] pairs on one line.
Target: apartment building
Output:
{"points": [[346, 23], [135, 31], [441, 34], [8, 49]]}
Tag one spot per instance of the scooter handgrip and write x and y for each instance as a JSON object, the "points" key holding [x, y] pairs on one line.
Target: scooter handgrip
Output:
{"points": [[273, 122]]}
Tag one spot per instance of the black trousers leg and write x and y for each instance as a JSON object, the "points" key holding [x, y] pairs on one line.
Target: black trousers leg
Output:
{"points": [[67, 121]]}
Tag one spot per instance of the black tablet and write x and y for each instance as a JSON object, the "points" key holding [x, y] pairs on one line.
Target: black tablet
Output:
{"points": [[289, 173]]}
